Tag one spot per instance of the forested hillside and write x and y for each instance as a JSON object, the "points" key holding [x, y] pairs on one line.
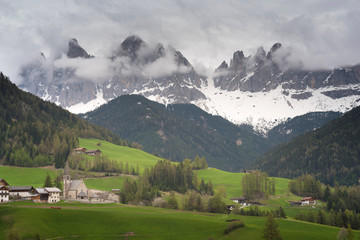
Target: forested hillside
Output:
{"points": [[331, 153], [38, 133], [163, 132]]}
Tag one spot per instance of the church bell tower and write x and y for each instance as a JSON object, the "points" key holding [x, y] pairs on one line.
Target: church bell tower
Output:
{"points": [[66, 180]]}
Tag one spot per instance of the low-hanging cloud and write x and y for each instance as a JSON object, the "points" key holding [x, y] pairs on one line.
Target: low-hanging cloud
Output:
{"points": [[321, 34], [94, 69], [164, 66]]}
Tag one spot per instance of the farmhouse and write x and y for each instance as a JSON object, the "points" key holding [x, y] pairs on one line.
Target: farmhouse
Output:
{"points": [[41, 196], [4, 191], [3, 182], [54, 194], [80, 150], [22, 192], [308, 201], [241, 200], [93, 152]]}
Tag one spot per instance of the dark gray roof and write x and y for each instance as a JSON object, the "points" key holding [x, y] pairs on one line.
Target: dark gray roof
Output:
{"points": [[75, 184], [82, 194], [94, 195], [41, 191], [21, 188], [52, 190]]}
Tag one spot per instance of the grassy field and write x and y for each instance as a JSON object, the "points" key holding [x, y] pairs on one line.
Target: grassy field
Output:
{"points": [[232, 181], [106, 183], [79, 221], [120, 153], [18, 176]]}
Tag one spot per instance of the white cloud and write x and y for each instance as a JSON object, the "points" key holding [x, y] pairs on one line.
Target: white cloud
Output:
{"points": [[321, 33], [96, 69]]}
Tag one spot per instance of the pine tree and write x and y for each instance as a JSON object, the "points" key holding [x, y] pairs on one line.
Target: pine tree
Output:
{"points": [[271, 231], [350, 234], [47, 182]]}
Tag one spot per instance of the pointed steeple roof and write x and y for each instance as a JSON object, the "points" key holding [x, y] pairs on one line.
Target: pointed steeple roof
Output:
{"points": [[67, 169]]}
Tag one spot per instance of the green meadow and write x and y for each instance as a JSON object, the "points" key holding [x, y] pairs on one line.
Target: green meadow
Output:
{"points": [[19, 176], [80, 221], [133, 156], [105, 183], [232, 181]]}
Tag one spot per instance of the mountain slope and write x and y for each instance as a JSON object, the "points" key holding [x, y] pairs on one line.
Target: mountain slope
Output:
{"points": [[299, 125], [167, 132], [38, 133], [331, 153], [261, 90]]}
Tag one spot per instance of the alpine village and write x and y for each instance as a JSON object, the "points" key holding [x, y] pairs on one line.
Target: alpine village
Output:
{"points": [[140, 144]]}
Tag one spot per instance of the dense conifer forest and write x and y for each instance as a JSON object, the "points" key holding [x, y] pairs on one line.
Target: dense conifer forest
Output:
{"points": [[37, 133], [330, 153]]}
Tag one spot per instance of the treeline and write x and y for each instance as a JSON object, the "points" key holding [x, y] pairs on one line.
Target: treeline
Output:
{"points": [[332, 218], [166, 176], [37, 133], [255, 211], [178, 177], [257, 185], [305, 186], [101, 163], [331, 153], [342, 202]]}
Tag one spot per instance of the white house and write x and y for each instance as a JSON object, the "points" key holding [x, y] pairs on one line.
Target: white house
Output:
{"points": [[54, 194], [308, 201], [4, 194], [241, 200]]}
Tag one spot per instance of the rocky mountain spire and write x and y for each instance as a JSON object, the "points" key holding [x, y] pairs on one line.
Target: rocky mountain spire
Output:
{"points": [[273, 49], [131, 45], [76, 51]]}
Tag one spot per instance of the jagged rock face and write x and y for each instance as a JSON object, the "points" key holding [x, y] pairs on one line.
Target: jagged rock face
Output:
{"points": [[76, 51], [63, 86], [263, 72]]}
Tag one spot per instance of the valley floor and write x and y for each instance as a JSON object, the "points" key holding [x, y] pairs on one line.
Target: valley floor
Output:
{"points": [[26, 220]]}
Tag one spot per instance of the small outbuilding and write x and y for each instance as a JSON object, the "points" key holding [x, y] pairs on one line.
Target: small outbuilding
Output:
{"points": [[93, 152], [41, 196]]}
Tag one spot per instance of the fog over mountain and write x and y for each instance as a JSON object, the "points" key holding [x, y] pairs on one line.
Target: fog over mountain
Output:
{"points": [[320, 34]]}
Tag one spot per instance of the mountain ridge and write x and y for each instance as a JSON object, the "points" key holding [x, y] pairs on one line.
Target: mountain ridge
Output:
{"points": [[261, 90]]}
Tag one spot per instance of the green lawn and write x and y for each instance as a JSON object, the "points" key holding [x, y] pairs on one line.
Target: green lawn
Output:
{"points": [[121, 153], [18, 176], [78, 221]]}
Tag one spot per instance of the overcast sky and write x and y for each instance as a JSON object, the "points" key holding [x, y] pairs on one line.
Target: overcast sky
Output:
{"points": [[322, 33]]}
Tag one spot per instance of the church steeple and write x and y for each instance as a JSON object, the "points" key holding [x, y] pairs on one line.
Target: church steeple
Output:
{"points": [[66, 180], [67, 169]]}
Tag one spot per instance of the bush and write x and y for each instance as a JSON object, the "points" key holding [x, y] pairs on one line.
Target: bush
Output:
{"points": [[234, 225]]}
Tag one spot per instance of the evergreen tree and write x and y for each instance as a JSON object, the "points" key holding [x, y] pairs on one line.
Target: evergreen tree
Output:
{"points": [[350, 234], [271, 231], [47, 182], [58, 182], [172, 202]]}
